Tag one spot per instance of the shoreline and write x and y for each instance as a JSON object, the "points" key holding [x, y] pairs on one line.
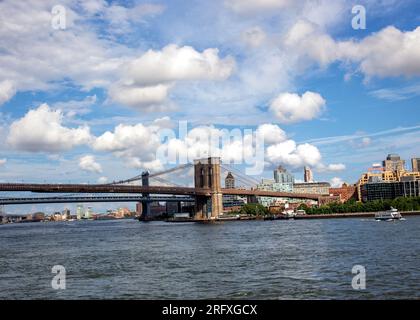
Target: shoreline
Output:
{"points": [[350, 215], [302, 217]]}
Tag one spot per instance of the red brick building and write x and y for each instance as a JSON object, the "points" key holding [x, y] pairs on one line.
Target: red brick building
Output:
{"points": [[345, 192]]}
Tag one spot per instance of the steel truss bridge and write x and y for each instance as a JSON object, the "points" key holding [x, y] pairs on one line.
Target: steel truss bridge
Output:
{"points": [[62, 199]]}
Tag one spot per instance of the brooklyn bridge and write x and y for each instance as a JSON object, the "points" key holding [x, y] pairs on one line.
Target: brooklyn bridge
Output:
{"points": [[206, 192]]}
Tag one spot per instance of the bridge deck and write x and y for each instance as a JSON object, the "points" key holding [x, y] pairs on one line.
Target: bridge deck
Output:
{"points": [[107, 188], [62, 199]]}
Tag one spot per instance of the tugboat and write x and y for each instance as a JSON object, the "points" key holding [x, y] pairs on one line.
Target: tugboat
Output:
{"points": [[388, 215]]}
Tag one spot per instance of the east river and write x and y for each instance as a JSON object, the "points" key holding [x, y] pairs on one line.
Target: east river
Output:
{"points": [[294, 259]]}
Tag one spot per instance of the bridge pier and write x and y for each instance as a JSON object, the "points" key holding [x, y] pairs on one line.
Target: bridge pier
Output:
{"points": [[207, 176], [145, 212]]}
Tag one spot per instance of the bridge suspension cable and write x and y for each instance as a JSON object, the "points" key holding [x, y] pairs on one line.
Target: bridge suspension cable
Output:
{"points": [[240, 176], [169, 183], [154, 175]]}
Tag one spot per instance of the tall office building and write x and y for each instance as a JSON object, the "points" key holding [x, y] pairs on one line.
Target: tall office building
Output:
{"points": [[231, 202], [307, 175], [415, 164], [282, 176], [80, 211], [229, 181], [88, 213], [393, 162]]}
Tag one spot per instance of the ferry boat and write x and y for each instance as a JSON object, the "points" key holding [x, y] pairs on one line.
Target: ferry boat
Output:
{"points": [[388, 215]]}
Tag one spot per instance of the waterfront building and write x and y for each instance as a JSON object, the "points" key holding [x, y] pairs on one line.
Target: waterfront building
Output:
{"points": [[122, 213], [415, 164], [393, 163], [38, 216], [80, 211], [57, 216], [390, 190], [392, 171], [272, 185], [281, 175], [307, 175], [345, 192], [231, 202], [88, 213], [139, 209], [321, 188], [66, 214]]}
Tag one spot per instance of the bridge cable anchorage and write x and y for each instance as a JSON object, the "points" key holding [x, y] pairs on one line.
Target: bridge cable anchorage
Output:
{"points": [[138, 177]]}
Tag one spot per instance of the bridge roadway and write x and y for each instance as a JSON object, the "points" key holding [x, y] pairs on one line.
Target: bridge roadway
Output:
{"points": [[110, 188], [35, 200]]}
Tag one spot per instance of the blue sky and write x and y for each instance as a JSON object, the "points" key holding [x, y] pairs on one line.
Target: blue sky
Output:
{"points": [[86, 103]]}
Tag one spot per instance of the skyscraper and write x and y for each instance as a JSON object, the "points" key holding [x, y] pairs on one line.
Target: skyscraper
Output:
{"points": [[282, 176], [80, 211], [88, 213], [393, 162], [229, 181], [307, 174], [415, 164]]}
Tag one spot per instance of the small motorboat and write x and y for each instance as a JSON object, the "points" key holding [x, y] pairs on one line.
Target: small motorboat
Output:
{"points": [[388, 215]]}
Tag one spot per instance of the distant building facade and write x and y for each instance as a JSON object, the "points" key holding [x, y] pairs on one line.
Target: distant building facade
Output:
{"points": [[390, 190], [232, 202], [281, 175], [272, 185], [308, 175], [80, 211], [230, 181], [345, 192], [393, 171], [415, 164], [321, 188], [393, 162]]}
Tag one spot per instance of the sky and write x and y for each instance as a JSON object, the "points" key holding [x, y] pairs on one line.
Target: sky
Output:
{"points": [[96, 91]]}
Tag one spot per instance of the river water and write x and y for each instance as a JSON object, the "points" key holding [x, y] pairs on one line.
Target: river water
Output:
{"points": [[294, 259]]}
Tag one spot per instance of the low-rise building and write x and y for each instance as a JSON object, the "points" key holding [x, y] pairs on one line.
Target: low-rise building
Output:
{"points": [[321, 188], [345, 192]]}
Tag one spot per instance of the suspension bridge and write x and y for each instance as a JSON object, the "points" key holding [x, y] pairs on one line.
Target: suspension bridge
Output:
{"points": [[205, 190]]}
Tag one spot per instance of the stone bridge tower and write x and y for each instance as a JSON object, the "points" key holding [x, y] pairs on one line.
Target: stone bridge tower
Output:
{"points": [[207, 176]]}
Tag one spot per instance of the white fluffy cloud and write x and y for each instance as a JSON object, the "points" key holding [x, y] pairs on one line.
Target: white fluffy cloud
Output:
{"points": [[290, 154], [102, 180], [41, 130], [174, 63], [251, 6], [150, 98], [142, 146], [7, 91], [88, 163], [290, 107], [80, 56], [137, 144], [73, 108], [334, 167], [146, 81], [3, 161], [272, 133], [401, 49]]}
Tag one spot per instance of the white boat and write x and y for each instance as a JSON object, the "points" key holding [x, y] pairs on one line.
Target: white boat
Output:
{"points": [[388, 215]]}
